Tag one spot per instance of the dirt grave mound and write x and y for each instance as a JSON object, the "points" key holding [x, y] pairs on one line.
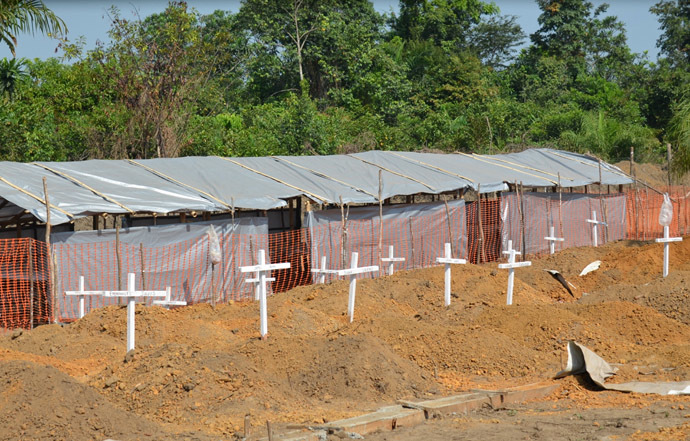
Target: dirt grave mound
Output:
{"points": [[41, 403], [201, 370]]}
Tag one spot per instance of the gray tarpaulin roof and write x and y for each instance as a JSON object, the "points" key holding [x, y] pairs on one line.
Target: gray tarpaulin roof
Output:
{"points": [[78, 189]]}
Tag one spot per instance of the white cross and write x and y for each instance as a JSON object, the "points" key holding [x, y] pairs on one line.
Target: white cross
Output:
{"points": [[595, 223], [391, 260], [511, 265], [665, 240], [448, 260], [352, 272], [82, 293], [168, 302], [131, 295], [553, 239], [321, 272], [262, 270]]}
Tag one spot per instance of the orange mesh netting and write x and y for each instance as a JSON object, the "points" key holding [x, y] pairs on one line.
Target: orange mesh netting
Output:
{"points": [[478, 231]]}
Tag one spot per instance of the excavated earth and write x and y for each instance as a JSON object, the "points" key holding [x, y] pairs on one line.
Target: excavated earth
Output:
{"points": [[198, 371]]}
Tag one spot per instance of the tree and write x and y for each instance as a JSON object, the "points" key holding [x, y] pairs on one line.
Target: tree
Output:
{"points": [[11, 72], [439, 20], [674, 42], [154, 76], [18, 16]]}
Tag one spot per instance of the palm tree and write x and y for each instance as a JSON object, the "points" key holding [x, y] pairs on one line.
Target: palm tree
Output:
{"points": [[18, 16], [11, 72]]}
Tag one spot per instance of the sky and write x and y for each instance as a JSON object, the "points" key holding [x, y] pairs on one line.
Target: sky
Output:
{"points": [[88, 18]]}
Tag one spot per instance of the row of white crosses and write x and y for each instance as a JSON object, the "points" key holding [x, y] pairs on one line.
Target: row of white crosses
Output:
{"points": [[448, 260], [131, 294]]}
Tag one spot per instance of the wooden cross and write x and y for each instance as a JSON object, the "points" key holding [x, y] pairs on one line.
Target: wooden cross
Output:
{"points": [[352, 272], [168, 302], [665, 240], [511, 265], [263, 269], [131, 294], [553, 239], [595, 223], [82, 294], [391, 260], [448, 260], [321, 272]]}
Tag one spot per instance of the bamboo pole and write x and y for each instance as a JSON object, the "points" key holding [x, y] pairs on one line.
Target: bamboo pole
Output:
{"points": [[521, 207], [560, 206], [450, 229], [668, 159], [480, 249], [143, 266], [51, 268], [411, 241], [31, 287], [117, 252], [602, 207], [381, 221]]}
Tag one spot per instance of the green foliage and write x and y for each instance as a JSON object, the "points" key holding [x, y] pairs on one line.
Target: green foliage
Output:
{"points": [[302, 77], [17, 16]]}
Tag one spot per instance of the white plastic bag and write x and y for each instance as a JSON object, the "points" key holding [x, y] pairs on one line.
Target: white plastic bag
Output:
{"points": [[666, 214], [214, 252]]}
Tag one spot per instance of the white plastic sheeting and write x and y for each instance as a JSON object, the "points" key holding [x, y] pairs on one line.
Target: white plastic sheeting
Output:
{"points": [[417, 232], [84, 188], [541, 210], [185, 266]]}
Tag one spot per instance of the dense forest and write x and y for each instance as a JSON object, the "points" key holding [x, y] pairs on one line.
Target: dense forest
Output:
{"points": [[307, 77]]}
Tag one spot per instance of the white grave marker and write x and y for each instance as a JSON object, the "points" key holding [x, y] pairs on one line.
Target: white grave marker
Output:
{"points": [[352, 272], [168, 302], [511, 265], [665, 240], [595, 223], [81, 294], [263, 269], [321, 272], [391, 260], [553, 239], [131, 294], [448, 260]]}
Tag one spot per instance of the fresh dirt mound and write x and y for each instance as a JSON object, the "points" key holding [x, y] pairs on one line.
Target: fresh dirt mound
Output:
{"points": [[203, 369], [40, 402]]}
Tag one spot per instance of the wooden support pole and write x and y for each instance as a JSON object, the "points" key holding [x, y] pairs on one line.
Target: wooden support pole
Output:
{"points": [[450, 227], [117, 252], [31, 282], [143, 266], [51, 267], [343, 241], [380, 219], [668, 159], [411, 241], [521, 206]]}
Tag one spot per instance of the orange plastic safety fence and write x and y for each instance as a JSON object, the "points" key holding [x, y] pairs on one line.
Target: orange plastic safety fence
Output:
{"points": [[644, 206], [24, 288], [478, 231]]}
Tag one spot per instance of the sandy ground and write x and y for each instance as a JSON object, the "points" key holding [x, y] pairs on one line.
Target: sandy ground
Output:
{"points": [[197, 371]]}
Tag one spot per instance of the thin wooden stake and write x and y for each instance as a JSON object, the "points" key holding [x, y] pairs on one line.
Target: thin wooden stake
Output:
{"points": [[560, 205], [668, 159], [450, 228], [53, 290], [269, 430], [411, 242], [521, 205], [381, 220], [247, 426], [143, 266], [343, 241], [31, 288], [118, 257]]}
